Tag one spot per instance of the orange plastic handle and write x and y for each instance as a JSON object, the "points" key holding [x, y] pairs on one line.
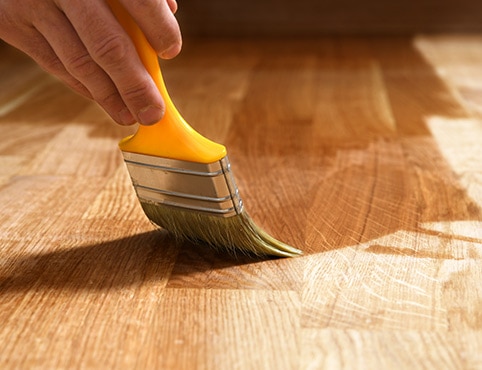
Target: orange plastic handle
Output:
{"points": [[171, 137]]}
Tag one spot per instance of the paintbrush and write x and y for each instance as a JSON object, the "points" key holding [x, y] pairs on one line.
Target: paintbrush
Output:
{"points": [[183, 180]]}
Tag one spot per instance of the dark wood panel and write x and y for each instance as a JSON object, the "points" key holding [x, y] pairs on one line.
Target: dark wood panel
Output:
{"points": [[314, 17]]}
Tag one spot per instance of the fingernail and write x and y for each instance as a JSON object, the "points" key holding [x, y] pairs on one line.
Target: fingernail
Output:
{"points": [[171, 52], [126, 117], [173, 6], [150, 115]]}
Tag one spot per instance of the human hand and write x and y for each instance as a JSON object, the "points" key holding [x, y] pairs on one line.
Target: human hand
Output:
{"points": [[82, 43]]}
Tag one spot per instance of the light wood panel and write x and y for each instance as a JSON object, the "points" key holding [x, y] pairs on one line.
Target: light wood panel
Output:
{"points": [[363, 152]]}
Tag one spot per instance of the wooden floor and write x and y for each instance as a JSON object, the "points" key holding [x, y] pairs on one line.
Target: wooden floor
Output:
{"points": [[364, 152]]}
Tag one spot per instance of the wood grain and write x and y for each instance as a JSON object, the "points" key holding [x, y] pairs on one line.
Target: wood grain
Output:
{"points": [[363, 151]]}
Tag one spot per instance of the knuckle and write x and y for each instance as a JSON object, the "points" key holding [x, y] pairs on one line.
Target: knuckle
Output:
{"points": [[5, 21], [138, 91], [79, 87], [109, 100], [81, 65], [137, 94], [52, 64], [111, 50], [146, 4]]}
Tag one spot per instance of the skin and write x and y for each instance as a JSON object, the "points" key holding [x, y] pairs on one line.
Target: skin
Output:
{"points": [[81, 42]]}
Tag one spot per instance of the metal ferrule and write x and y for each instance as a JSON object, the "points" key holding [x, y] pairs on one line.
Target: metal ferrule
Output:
{"points": [[208, 188]]}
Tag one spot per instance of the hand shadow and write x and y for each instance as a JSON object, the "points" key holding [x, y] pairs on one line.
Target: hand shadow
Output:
{"points": [[116, 264]]}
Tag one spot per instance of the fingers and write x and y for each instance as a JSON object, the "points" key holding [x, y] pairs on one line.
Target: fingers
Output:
{"points": [[110, 47], [157, 21], [39, 50], [82, 43], [71, 52], [19, 33]]}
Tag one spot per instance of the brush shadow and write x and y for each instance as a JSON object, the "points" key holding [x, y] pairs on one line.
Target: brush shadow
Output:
{"points": [[111, 265]]}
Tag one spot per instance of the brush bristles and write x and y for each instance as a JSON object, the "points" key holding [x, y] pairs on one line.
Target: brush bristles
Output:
{"points": [[236, 234]]}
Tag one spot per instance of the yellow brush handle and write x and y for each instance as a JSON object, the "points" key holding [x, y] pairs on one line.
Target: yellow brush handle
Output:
{"points": [[171, 137]]}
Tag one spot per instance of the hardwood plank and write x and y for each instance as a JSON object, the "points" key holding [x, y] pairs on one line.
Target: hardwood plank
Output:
{"points": [[86, 304], [111, 204], [200, 268], [363, 151], [10, 165], [356, 296], [225, 319], [360, 86], [34, 205], [385, 349]]}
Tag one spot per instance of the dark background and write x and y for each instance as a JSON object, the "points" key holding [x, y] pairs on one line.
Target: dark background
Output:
{"points": [[322, 17]]}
